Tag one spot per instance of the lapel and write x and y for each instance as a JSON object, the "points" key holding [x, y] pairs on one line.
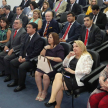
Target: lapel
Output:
{"points": [[84, 34]]}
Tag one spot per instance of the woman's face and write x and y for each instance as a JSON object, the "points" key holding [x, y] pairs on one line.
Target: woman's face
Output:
{"points": [[93, 2], [50, 39], [3, 24], [35, 15], [77, 49], [31, 7], [45, 6]]}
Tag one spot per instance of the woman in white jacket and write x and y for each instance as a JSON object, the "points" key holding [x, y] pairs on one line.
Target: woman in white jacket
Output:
{"points": [[78, 63]]}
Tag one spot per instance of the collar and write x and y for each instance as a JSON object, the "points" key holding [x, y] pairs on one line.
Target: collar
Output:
{"points": [[89, 28], [31, 36]]}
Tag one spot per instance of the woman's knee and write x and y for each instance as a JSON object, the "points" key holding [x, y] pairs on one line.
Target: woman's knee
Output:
{"points": [[37, 74], [58, 76], [46, 77]]}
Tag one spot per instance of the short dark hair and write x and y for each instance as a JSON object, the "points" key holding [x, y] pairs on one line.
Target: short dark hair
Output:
{"points": [[34, 4], [88, 16], [95, 7], [19, 7], [72, 13], [34, 25], [55, 38], [7, 7], [5, 20]]}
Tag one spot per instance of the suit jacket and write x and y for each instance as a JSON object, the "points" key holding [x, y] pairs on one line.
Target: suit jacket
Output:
{"points": [[33, 48], [62, 7], [73, 33], [40, 3], [94, 38], [10, 17], [53, 27], [26, 5], [18, 40], [83, 66], [101, 20], [23, 17], [76, 8]]}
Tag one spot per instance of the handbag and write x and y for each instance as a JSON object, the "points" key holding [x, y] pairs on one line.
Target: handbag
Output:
{"points": [[44, 64]]}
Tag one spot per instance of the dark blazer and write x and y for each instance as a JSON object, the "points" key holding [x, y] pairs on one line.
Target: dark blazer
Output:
{"points": [[26, 5], [82, 2], [10, 17], [40, 3], [18, 40], [101, 20], [53, 27], [94, 38], [43, 16], [76, 8], [23, 17], [32, 49], [73, 33]]}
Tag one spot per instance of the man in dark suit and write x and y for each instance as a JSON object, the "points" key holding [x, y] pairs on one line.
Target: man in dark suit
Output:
{"points": [[24, 3], [16, 39], [32, 47], [74, 7], [49, 25], [20, 15], [99, 18], [90, 33], [9, 14], [71, 30]]}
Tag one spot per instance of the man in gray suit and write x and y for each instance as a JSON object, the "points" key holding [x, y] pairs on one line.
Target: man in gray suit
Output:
{"points": [[16, 40]]}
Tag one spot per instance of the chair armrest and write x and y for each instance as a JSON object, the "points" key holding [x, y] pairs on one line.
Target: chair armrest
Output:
{"points": [[57, 66], [17, 53], [71, 42]]}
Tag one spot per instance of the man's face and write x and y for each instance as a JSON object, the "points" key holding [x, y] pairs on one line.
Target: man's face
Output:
{"points": [[72, 1], [3, 2], [60, 0], [4, 9], [17, 24], [30, 29], [70, 18], [95, 12], [48, 16], [18, 11], [87, 22]]}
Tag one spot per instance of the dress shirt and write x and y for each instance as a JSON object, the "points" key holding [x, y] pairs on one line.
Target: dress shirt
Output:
{"points": [[71, 7], [95, 18]]}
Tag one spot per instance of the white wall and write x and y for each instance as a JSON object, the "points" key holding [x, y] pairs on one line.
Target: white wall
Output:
{"points": [[12, 3]]}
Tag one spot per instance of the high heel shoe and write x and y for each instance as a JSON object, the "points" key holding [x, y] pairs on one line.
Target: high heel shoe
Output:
{"points": [[43, 98], [50, 104]]}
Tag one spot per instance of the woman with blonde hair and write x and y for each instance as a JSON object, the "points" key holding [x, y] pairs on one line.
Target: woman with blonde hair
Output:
{"points": [[91, 2], [37, 18], [78, 63]]}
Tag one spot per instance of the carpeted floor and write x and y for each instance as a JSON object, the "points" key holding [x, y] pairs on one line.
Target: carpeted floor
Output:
{"points": [[26, 98]]}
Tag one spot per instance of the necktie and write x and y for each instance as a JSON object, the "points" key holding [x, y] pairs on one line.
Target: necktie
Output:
{"points": [[86, 38], [46, 29], [17, 16], [94, 18], [57, 7], [15, 34], [67, 30]]}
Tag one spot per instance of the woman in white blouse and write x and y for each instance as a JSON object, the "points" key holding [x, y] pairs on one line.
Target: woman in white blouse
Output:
{"points": [[78, 63]]}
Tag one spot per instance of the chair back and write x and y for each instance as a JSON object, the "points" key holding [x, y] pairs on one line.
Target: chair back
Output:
{"points": [[63, 17], [26, 10], [103, 35], [60, 26], [44, 40]]}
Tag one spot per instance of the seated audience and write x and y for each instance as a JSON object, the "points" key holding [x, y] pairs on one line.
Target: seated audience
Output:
{"points": [[31, 48], [74, 7], [49, 25], [99, 18], [91, 2], [60, 7], [24, 3], [45, 8], [5, 32], [9, 13], [78, 63], [14, 44], [37, 18], [105, 2], [90, 33], [71, 30], [2, 13], [99, 97], [33, 6], [55, 53], [20, 15], [4, 3]]}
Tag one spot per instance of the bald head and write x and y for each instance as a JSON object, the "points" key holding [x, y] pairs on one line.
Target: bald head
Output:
{"points": [[48, 16]]}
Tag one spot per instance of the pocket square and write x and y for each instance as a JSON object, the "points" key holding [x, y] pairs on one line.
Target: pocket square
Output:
{"points": [[50, 27]]}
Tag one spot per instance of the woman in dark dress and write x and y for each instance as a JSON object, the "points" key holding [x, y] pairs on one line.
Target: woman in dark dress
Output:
{"points": [[55, 53]]}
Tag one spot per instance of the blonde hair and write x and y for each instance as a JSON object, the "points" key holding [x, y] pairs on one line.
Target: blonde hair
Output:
{"points": [[96, 2], [105, 10], [83, 47], [39, 13], [47, 6]]}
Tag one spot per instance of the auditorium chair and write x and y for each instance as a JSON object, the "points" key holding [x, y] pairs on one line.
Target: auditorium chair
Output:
{"points": [[26, 10]]}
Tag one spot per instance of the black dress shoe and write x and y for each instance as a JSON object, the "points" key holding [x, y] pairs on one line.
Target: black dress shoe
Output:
{"points": [[8, 78], [50, 104], [12, 84], [2, 74], [19, 88]]}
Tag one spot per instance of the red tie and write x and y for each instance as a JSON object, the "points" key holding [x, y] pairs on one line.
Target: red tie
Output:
{"points": [[57, 7], [46, 29], [15, 34], [67, 30], [86, 38]]}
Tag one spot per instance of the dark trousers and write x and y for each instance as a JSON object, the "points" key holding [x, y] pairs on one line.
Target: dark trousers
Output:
{"points": [[5, 62], [18, 70]]}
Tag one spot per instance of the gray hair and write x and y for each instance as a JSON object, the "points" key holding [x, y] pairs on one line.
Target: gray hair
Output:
{"points": [[21, 22]]}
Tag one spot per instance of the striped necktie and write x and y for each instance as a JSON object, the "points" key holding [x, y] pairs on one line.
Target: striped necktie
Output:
{"points": [[46, 29]]}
